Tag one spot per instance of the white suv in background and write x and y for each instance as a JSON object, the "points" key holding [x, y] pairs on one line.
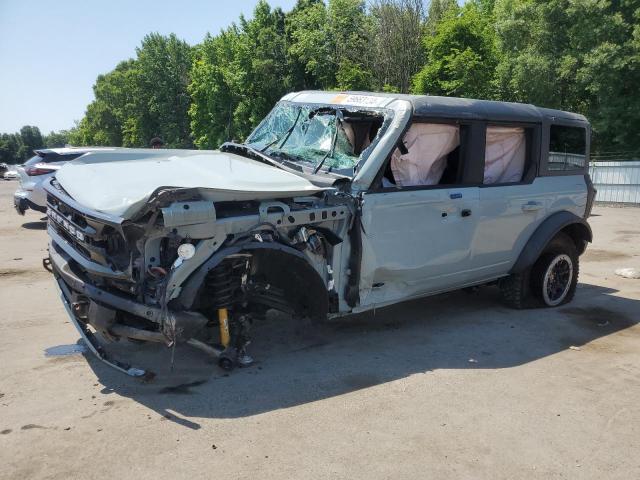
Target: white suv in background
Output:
{"points": [[44, 164]]}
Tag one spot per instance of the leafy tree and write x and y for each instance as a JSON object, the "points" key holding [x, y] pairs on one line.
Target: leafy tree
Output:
{"points": [[398, 49], [437, 10], [577, 55], [309, 61], [31, 139], [461, 56], [10, 144], [159, 95], [215, 89], [142, 98], [57, 139], [262, 59], [349, 32], [237, 77]]}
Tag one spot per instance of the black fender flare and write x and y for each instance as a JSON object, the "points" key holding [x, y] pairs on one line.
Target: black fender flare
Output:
{"points": [[191, 287], [576, 227]]}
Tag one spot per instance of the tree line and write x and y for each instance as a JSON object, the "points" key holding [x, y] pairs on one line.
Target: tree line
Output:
{"points": [[17, 147], [576, 55]]}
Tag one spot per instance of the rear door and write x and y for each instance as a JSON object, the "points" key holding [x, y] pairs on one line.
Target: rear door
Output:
{"points": [[512, 205]]}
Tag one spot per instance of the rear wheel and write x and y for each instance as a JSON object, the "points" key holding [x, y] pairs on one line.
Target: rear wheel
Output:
{"points": [[552, 280]]}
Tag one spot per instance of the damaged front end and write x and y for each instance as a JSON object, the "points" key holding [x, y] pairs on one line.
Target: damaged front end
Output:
{"points": [[192, 267]]}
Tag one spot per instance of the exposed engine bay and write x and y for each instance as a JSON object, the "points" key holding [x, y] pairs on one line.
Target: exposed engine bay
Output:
{"points": [[193, 270]]}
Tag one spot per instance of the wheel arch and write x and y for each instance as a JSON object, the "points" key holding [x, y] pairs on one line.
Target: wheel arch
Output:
{"points": [[304, 282], [566, 222]]}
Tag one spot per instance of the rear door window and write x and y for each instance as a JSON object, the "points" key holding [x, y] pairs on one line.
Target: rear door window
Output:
{"points": [[567, 148]]}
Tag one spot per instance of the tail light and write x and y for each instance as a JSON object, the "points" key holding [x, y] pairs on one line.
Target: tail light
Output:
{"points": [[40, 169]]}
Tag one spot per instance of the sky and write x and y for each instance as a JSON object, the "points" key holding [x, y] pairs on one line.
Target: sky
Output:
{"points": [[52, 51]]}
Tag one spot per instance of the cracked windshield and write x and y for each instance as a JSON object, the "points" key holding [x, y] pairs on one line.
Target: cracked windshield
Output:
{"points": [[318, 137]]}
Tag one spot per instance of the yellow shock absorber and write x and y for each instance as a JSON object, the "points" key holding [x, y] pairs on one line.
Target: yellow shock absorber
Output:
{"points": [[223, 319]]}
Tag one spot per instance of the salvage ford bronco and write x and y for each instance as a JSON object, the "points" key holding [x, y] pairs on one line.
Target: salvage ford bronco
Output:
{"points": [[337, 203]]}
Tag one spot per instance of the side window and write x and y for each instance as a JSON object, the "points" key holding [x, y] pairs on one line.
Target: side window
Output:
{"points": [[430, 155], [567, 148], [505, 154]]}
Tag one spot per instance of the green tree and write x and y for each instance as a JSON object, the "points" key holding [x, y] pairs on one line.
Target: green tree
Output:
{"points": [[350, 31], [262, 59], [397, 45], [309, 60], [576, 55], [159, 97], [10, 144], [142, 98], [216, 89], [56, 139], [437, 10], [237, 77], [106, 116], [461, 56], [31, 140]]}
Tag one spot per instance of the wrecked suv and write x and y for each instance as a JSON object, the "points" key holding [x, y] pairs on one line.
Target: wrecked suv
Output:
{"points": [[337, 203]]}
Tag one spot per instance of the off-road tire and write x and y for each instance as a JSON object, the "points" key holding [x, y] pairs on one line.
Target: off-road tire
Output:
{"points": [[561, 244], [515, 290], [524, 290]]}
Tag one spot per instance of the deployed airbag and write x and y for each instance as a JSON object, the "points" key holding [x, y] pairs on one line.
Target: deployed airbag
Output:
{"points": [[504, 155], [428, 145]]}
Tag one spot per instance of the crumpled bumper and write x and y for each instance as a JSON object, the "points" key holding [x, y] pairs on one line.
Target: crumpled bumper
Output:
{"points": [[82, 300]]}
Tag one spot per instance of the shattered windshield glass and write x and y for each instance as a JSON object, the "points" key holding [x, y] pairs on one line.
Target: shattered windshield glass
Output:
{"points": [[327, 137]]}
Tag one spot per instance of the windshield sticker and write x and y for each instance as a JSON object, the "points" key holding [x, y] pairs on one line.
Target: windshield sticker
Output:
{"points": [[359, 100]]}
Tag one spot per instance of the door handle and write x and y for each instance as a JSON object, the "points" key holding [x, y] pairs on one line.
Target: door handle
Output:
{"points": [[531, 206], [465, 213]]}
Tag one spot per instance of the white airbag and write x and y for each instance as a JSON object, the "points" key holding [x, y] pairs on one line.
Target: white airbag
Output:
{"points": [[504, 155], [428, 145]]}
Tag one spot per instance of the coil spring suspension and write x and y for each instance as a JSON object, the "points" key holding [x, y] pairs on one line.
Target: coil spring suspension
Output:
{"points": [[223, 281], [220, 282]]}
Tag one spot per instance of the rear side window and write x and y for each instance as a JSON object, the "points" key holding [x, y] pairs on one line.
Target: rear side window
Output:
{"points": [[567, 148]]}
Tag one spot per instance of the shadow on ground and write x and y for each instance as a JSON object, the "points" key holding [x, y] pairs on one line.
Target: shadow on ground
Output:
{"points": [[301, 363]]}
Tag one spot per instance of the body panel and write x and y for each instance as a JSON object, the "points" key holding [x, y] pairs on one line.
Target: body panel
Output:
{"points": [[509, 214], [416, 242], [97, 180]]}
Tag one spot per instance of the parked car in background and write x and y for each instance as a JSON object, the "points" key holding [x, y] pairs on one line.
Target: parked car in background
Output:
{"points": [[337, 203], [3, 168], [44, 164], [11, 173]]}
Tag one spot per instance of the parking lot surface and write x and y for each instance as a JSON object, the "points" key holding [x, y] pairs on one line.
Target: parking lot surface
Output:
{"points": [[452, 386]]}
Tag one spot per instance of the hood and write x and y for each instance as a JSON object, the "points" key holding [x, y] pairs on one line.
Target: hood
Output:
{"points": [[120, 182]]}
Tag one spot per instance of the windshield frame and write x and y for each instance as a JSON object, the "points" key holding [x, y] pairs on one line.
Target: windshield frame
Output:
{"points": [[386, 114]]}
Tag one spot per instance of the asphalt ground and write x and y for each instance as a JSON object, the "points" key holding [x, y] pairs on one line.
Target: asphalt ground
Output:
{"points": [[453, 386]]}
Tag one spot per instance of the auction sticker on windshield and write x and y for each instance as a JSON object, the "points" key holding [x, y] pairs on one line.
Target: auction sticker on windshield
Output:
{"points": [[360, 100]]}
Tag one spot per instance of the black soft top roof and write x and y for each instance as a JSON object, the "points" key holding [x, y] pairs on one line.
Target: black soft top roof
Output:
{"points": [[472, 109]]}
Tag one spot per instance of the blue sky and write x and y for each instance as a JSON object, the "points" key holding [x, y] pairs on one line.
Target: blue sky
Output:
{"points": [[52, 51]]}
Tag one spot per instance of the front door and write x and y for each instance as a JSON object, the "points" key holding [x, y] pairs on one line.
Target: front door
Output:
{"points": [[416, 241]]}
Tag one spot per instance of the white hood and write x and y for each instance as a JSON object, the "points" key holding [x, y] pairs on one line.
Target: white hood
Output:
{"points": [[120, 182]]}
